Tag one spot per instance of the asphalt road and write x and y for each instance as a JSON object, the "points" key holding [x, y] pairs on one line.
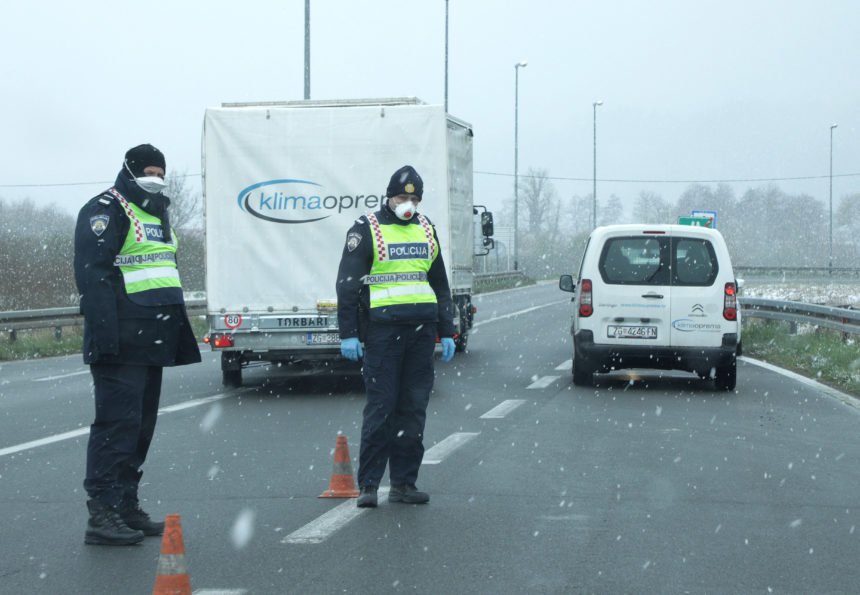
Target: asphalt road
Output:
{"points": [[649, 483]]}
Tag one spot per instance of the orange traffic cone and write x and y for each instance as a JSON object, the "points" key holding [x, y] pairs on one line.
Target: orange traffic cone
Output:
{"points": [[172, 577], [342, 485]]}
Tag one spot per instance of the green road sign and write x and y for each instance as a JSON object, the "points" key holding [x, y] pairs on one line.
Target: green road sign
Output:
{"points": [[696, 221]]}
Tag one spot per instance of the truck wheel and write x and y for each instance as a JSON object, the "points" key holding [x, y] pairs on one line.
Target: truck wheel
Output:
{"points": [[461, 342], [726, 377], [583, 372], [231, 378]]}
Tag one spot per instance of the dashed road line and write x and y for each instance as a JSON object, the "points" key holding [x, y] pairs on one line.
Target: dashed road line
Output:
{"points": [[324, 526], [503, 408], [543, 382], [84, 431], [437, 453], [58, 376], [567, 365]]}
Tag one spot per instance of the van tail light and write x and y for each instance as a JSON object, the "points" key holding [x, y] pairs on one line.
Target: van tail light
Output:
{"points": [[730, 302], [585, 299]]}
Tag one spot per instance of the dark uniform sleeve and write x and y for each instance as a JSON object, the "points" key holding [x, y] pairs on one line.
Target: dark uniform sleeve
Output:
{"points": [[437, 276], [355, 263], [95, 273]]}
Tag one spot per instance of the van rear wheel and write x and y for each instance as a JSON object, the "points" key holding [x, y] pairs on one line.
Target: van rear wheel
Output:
{"points": [[726, 377], [583, 372]]}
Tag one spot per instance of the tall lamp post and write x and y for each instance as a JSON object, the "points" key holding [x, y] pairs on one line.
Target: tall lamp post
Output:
{"points": [[517, 66], [594, 175], [830, 265], [446, 56], [307, 49]]}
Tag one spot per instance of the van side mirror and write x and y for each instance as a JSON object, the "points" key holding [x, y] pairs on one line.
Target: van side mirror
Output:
{"points": [[566, 283], [486, 223]]}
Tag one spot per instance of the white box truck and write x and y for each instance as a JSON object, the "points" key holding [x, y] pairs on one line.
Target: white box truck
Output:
{"points": [[282, 184]]}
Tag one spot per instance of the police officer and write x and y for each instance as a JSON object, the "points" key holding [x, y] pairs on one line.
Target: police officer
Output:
{"points": [[392, 283], [135, 323]]}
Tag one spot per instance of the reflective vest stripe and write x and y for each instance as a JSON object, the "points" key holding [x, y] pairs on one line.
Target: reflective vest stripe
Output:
{"points": [[153, 273], [404, 290], [393, 278]]}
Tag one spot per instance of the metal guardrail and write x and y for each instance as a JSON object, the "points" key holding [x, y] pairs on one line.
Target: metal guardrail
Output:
{"points": [[837, 318], [58, 318]]}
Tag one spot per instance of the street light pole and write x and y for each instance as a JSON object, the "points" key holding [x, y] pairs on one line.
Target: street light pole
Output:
{"points": [[594, 176], [446, 56], [517, 66], [830, 265], [307, 49]]}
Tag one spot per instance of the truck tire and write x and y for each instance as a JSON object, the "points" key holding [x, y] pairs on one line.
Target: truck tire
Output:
{"points": [[461, 342], [231, 369], [231, 378]]}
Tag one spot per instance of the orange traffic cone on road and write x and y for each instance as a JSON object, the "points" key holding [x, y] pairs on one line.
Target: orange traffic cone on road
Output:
{"points": [[342, 484], [172, 576]]}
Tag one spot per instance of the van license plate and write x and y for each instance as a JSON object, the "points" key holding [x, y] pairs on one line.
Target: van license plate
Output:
{"points": [[631, 332], [323, 339]]}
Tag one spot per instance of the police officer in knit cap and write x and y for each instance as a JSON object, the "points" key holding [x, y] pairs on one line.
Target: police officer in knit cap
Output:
{"points": [[393, 294], [135, 323]]}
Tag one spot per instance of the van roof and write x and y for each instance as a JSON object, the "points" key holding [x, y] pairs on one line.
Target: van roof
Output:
{"points": [[646, 228]]}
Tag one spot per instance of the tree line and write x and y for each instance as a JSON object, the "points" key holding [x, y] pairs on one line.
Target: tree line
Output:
{"points": [[763, 226], [37, 249]]}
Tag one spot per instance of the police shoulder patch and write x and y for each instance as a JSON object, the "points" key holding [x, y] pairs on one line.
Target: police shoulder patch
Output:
{"points": [[99, 223], [353, 239]]}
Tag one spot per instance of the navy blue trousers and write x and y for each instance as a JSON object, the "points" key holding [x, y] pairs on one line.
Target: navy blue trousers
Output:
{"points": [[398, 376], [126, 399]]}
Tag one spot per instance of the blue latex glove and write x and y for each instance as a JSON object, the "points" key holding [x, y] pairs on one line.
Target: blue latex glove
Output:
{"points": [[351, 349], [447, 349]]}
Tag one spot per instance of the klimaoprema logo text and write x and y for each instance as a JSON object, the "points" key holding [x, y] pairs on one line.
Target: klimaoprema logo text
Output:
{"points": [[300, 201]]}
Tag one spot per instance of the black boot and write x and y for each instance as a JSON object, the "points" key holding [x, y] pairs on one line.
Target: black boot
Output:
{"points": [[135, 517], [407, 493], [367, 497], [106, 527]]}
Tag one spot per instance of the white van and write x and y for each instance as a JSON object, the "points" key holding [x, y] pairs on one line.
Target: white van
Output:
{"points": [[655, 296]]}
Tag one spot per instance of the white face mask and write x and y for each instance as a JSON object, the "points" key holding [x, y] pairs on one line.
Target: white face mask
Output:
{"points": [[405, 211], [151, 184]]}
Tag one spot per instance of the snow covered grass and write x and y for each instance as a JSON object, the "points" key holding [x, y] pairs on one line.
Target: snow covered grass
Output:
{"points": [[814, 352]]}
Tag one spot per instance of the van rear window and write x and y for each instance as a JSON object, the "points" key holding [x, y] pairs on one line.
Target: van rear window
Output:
{"points": [[639, 260]]}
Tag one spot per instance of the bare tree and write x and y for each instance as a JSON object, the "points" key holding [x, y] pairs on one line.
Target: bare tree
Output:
{"points": [[538, 197], [652, 208], [185, 202]]}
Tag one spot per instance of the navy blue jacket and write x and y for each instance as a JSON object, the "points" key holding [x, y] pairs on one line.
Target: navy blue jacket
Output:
{"points": [[116, 329], [353, 299]]}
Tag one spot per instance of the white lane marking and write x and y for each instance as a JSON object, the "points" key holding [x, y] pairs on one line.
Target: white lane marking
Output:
{"points": [[437, 453], [567, 365], [84, 431], [543, 382], [322, 527], [503, 408], [46, 378], [512, 314], [831, 392], [219, 591]]}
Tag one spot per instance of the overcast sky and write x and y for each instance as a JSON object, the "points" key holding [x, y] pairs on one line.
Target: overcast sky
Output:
{"points": [[735, 89]]}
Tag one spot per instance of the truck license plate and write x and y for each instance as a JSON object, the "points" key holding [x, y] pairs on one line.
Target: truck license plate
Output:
{"points": [[631, 332], [323, 339]]}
